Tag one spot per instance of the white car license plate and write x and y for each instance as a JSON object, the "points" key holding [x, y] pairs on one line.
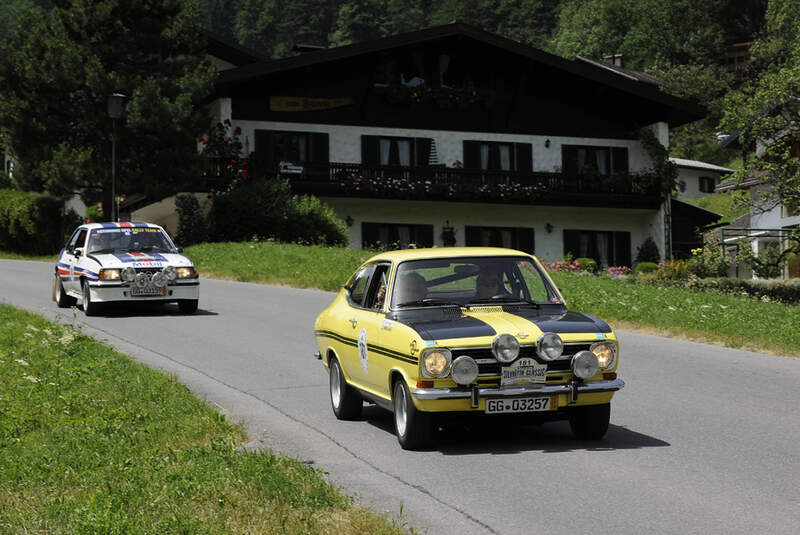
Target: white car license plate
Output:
{"points": [[147, 290], [539, 404], [523, 371]]}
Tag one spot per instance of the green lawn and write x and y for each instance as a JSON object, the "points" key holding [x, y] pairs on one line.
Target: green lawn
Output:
{"points": [[92, 442], [728, 205]]}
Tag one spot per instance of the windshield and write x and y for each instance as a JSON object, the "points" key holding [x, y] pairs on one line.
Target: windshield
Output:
{"points": [[143, 239], [471, 281]]}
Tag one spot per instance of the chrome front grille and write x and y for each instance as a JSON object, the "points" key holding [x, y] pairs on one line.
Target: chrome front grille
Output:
{"points": [[488, 366]]}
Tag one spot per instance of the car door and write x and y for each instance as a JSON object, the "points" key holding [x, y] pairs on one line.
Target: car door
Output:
{"points": [[78, 240], [374, 317]]}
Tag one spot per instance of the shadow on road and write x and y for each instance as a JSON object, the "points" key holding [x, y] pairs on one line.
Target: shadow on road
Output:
{"points": [[128, 310], [479, 435]]}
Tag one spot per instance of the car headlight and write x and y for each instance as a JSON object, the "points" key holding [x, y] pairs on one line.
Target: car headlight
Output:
{"points": [[549, 346], [464, 370], [159, 280], [170, 273], [186, 272], [109, 275], [505, 348], [436, 363], [606, 353], [128, 274], [584, 364], [141, 280]]}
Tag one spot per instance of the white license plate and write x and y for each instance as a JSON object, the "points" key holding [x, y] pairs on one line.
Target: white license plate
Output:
{"points": [[523, 371], [147, 290], [499, 406]]}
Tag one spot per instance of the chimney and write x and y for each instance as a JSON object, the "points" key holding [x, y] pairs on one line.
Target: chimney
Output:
{"points": [[618, 60]]}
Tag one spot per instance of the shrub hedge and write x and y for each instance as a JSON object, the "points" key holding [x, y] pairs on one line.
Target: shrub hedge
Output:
{"points": [[643, 268], [781, 291], [587, 264], [33, 224]]}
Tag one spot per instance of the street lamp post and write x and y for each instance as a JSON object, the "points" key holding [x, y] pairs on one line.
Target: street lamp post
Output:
{"points": [[115, 112]]}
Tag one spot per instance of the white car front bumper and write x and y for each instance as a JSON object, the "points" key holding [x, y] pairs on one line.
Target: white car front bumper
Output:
{"points": [[107, 292]]}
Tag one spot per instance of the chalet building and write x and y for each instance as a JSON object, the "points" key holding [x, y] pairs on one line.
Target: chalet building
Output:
{"points": [[455, 136], [698, 179]]}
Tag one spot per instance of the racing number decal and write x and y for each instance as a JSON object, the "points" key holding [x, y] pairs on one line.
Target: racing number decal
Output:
{"points": [[363, 356]]}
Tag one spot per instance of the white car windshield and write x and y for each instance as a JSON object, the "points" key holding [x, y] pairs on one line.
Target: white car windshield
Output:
{"points": [[144, 239], [471, 281]]}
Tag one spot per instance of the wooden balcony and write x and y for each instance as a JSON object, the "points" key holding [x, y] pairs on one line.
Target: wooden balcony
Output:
{"points": [[457, 184]]}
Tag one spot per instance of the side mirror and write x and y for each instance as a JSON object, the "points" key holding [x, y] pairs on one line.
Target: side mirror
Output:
{"points": [[78, 251], [180, 249]]}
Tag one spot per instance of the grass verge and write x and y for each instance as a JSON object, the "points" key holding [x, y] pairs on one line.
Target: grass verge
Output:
{"points": [[5, 255], [92, 442]]}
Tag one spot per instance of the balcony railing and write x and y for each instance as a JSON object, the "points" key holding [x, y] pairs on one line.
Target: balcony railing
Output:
{"points": [[437, 182]]}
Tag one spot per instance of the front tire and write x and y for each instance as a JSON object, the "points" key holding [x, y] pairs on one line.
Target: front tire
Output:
{"points": [[62, 299], [413, 427], [590, 422], [89, 308], [188, 306], [345, 402]]}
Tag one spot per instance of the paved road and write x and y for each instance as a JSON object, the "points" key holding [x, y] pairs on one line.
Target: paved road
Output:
{"points": [[703, 439]]}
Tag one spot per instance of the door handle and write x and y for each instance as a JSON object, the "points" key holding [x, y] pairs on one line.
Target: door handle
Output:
{"points": [[353, 322]]}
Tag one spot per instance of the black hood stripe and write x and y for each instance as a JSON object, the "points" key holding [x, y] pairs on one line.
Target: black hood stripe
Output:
{"points": [[568, 322], [463, 327]]}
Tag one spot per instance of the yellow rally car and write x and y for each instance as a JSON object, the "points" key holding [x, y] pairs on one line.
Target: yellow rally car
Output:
{"points": [[428, 333]]}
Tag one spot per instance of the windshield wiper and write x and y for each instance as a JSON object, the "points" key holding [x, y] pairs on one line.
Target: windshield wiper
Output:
{"points": [[504, 299], [429, 302], [108, 250]]}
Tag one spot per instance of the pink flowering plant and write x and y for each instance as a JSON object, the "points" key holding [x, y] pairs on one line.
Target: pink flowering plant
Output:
{"points": [[562, 266], [619, 271], [224, 150], [406, 188]]}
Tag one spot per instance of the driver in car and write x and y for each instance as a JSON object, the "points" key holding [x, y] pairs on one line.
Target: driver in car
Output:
{"points": [[488, 284], [100, 241]]}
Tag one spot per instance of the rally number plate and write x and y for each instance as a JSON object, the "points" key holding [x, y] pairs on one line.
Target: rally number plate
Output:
{"points": [[523, 370], [499, 406]]}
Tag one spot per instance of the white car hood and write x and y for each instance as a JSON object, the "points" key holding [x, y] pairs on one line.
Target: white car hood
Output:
{"points": [[123, 260]]}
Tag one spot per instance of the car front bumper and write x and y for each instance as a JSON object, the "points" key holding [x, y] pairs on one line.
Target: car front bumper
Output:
{"points": [[114, 292], [572, 389]]}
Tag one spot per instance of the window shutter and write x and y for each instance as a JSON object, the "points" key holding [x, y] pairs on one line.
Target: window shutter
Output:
{"points": [[370, 154], [370, 234], [569, 161], [572, 242], [423, 235], [319, 148], [422, 151], [620, 157], [472, 154], [524, 157], [622, 249], [525, 240]]}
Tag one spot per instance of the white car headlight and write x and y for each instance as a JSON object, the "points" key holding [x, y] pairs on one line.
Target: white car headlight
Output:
{"points": [[141, 280], [584, 364], [159, 280], [128, 274], [464, 370], [505, 348], [186, 272], [606, 353], [170, 273], [436, 363], [109, 275], [549, 346]]}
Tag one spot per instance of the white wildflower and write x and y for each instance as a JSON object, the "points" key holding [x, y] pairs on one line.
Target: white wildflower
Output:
{"points": [[31, 378], [31, 328], [66, 338], [48, 332], [672, 308], [705, 306], [21, 362], [27, 335], [45, 342]]}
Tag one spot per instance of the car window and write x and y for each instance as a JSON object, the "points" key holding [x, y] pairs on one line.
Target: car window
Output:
{"points": [[78, 240], [377, 288], [73, 239], [358, 287], [143, 239]]}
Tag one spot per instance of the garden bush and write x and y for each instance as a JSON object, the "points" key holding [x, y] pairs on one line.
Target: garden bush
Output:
{"points": [[642, 268], [191, 223], [781, 291], [587, 264], [33, 224], [648, 252]]}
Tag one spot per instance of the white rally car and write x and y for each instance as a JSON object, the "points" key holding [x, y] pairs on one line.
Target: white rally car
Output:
{"points": [[124, 262]]}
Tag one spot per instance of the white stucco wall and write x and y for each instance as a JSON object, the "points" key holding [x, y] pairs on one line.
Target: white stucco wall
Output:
{"points": [[345, 142], [640, 223], [691, 177], [164, 213]]}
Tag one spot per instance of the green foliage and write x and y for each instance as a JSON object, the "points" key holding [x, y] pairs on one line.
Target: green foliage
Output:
{"points": [[709, 260], [266, 208], [769, 262], [31, 223], [11, 12], [729, 205], [191, 223], [587, 264], [94, 442], [55, 85], [648, 252], [663, 169], [643, 268]]}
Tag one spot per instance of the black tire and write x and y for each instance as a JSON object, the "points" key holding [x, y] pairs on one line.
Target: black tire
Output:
{"points": [[188, 306], [345, 401], [62, 299], [590, 422], [413, 427], [89, 308]]}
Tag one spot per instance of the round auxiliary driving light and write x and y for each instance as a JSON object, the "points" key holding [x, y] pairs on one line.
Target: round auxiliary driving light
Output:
{"points": [[584, 364], [159, 280], [549, 346], [436, 363], [141, 280], [171, 273], [606, 353], [505, 348], [128, 274], [464, 370]]}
